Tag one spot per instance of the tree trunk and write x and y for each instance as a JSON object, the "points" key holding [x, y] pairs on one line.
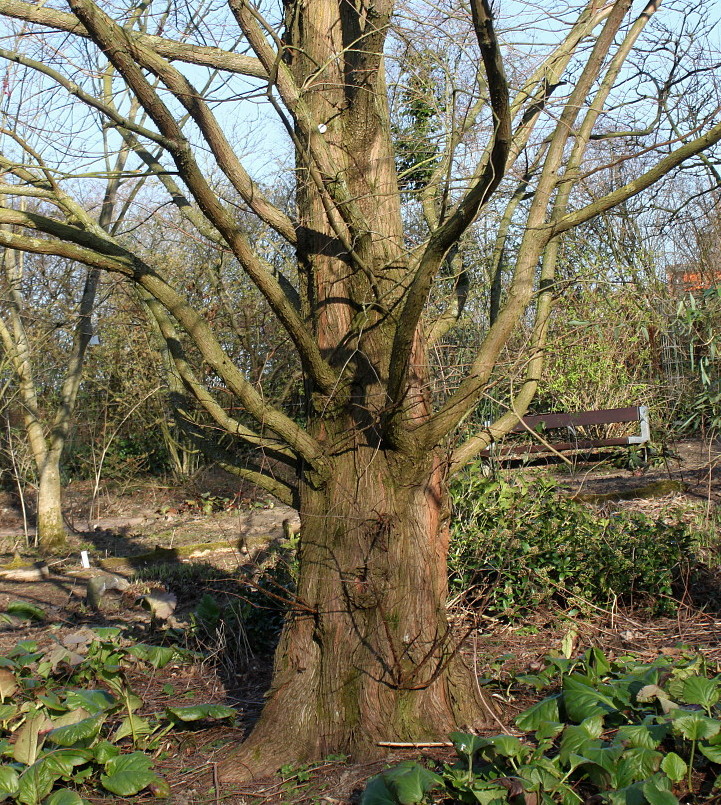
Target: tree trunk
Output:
{"points": [[50, 526], [367, 655]]}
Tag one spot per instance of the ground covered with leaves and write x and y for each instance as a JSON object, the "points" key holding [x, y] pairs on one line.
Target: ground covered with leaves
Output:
{"points": [[137, 690]]}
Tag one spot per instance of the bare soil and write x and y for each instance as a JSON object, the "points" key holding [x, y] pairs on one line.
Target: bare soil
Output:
{"points": [[223, 527]]}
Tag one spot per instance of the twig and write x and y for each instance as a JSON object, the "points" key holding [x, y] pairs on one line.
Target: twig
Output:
{"points": [[216, 784], [413, 744]]}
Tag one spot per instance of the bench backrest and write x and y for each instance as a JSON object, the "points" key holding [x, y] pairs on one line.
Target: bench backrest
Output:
{"points": [[607, 416]]}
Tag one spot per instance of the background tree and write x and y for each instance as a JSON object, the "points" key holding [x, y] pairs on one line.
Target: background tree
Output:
{"points": [[367, 653]]}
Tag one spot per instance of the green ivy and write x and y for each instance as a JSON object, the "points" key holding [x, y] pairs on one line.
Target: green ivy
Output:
{"points": [[519, 545]]}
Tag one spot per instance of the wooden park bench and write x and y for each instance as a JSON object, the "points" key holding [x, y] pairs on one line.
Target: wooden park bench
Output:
{"points": [[575, 429]]}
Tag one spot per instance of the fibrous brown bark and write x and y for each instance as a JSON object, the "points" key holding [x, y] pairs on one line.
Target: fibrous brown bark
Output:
{"points": [[367, 655]]}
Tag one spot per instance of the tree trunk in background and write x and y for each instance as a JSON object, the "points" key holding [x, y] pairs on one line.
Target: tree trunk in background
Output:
{"points": [[50, 525]]}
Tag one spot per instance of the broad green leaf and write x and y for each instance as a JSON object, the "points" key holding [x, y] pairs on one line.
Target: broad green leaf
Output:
{"points": [[507, 745], [493, 795], [64, 761], [197, 712], [549, 729], [8, 684], [582, 700], [710, 751], [25, 610], [466, 745], [656, 791], [597, 662], [70, 717], [65, 796], [410, 782], [538, 714], [81, 733], [9, 780], [378, 793], [696, 727], [674, 766], [104, 750], [128, 774], [7, 711], [107, 632], [157, 656], [630, 795], [637, 764], [94, 701], [700, 690], [132, 725], [36, 782], [644, 736], [29, 741], [576, 737]]}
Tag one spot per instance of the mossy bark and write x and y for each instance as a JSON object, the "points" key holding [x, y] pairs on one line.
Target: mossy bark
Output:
{"points": [[52, 535], [367, 655]]}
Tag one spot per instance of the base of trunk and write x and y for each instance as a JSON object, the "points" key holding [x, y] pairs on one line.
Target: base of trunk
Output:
{"points": [[288, 732]]}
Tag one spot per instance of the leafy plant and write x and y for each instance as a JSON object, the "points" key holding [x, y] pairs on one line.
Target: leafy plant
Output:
{"points": [[518, 545], [621, 732], [76, 724]]}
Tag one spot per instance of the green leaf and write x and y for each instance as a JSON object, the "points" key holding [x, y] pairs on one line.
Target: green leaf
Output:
{"points": [[410, 781], [576, 738], [133, 725], [104, 750], [25, 610], [710, 751], [674, 766], [7, 711], [94, 701], [696, 727], [637, 764], [81, 733], [65, 796], [70, 717], [63, 761], [377, 793], [128, 774], [507, 745], [549, 729], [197, 712], [9, 780], [700, 690], [582, 700], [538, 714], [644, 736], [36, 782], [630, 795], [157, 656], [107, 632], [656, 791], [466, 744]]}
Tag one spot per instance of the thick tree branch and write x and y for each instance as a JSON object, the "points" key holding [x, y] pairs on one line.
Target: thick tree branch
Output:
{"points": [[124, 55], [201, 55], [89, 248], [451, 230]]}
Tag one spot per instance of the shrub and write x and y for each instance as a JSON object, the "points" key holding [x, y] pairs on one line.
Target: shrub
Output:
{"points": [[519, 545]]}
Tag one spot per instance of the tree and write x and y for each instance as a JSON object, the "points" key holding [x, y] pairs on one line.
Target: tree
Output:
{"points": [[367, 652]]}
